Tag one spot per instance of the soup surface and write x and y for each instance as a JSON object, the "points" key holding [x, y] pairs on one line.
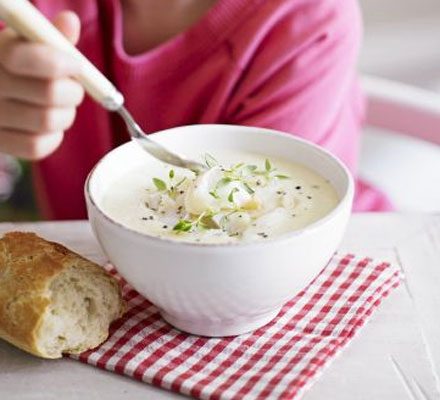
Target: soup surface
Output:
{"points": [[241, 197]]}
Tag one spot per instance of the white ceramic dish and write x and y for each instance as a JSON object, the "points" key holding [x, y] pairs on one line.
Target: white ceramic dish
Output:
{"points": [[220, 289]]}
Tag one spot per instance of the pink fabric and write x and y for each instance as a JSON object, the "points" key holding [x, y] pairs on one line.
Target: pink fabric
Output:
{"points": [[370, 199], [282, 64]]}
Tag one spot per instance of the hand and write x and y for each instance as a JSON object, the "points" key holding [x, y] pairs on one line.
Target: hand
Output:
{"points": [[38, 97]]}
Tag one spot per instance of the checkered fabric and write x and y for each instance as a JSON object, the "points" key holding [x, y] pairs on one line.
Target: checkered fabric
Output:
{"points": [[279, 361]]}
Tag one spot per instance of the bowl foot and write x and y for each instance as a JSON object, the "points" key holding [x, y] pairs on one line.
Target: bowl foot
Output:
{"points": [[220, 327]]}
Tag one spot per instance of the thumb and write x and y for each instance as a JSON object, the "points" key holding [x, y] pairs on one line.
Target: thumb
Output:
{"points": [[68, 23]]}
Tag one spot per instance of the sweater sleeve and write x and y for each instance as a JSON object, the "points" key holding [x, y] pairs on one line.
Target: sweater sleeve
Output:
{"points": [[301, 76]]}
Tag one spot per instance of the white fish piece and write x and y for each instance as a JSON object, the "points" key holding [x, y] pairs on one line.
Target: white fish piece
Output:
{"points": [[274, 223], [199, 197], [152, 200], [237, 223], [167, 205]]}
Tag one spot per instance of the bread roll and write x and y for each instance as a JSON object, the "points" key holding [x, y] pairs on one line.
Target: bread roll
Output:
{"points": [[53, 301]]}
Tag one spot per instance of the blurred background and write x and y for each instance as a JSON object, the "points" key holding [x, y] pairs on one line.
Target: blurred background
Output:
{"points": [[402, 43]]}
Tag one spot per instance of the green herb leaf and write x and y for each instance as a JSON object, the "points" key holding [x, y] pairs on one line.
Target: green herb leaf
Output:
{"points": [[251, 168], [160, 184], [248, 188], [282, 176], [207, 223], [231, 195], [267, 165], [210, 161], [171, 174], [214, 194], [183, 226], [237, 166], [180, 182], [223, 182]]}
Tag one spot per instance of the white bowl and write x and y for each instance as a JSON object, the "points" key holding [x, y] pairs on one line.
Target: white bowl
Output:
{"points": [[220, 289]]}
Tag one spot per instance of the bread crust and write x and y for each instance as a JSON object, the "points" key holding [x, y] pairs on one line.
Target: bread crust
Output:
{"points": [[28, 265]]}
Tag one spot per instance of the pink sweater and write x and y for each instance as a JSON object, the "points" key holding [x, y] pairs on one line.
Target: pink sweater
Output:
{"points": [[282, 64]]}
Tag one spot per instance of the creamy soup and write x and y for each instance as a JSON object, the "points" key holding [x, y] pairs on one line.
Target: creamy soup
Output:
{"points": [[240, 197]]}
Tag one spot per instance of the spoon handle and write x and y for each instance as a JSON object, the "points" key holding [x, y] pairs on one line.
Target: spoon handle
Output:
{"points": [[28, 22]]}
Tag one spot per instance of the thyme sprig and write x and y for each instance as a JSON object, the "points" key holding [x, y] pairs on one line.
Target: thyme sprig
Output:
{"points": [[231, 194], [171, 189], [161, 186], [243, 174], [183, 225], [268, 172], [203, 221]]}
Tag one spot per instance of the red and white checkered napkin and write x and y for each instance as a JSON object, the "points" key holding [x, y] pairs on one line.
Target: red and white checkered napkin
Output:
{"points": [[278, 361]]}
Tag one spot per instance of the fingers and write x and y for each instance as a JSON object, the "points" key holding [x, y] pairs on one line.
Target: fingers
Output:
{"points": [[63, 92], [68, 23], [30, 118], [38, 97], [29, 147], [36, 60]]}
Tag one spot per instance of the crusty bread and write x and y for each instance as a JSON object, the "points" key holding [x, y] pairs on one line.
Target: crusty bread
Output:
{"points": [[53, 301]]}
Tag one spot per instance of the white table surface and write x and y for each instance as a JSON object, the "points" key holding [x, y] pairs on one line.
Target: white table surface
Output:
{"points": [[407, 325]]}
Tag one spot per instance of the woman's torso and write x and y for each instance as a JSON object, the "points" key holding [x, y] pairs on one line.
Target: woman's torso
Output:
{"points": [[202, 75]]}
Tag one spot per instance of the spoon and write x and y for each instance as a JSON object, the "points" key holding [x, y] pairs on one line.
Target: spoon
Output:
{"points": [[28, 22]]}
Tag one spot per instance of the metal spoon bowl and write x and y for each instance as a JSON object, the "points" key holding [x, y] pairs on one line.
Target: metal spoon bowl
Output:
{"points": [[155, 149]]}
